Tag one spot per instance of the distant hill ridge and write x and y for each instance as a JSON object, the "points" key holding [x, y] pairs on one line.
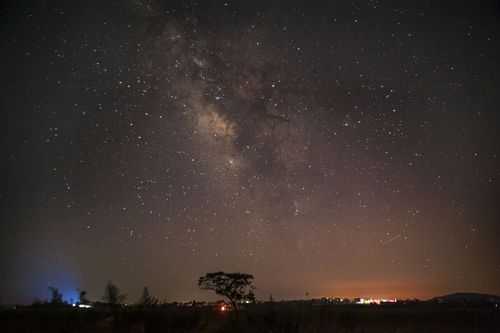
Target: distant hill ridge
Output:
{"points": [[467, 298]]}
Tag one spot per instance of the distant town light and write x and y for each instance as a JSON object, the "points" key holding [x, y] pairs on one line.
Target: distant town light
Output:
{"points": [[375, 301]]}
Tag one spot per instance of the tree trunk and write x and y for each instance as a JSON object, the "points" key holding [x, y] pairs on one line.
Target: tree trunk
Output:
{"points": [[236, 309]]}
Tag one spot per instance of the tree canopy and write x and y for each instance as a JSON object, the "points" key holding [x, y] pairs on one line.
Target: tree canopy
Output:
{"points": [[112, 294], [236, 287], [55, 296], [82, 297], [146, 299]]}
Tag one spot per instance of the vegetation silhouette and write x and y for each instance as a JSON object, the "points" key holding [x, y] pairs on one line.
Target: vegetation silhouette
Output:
{"points": [[146, 299], [236, 287], [56, 298], [112, 294], [82, 297], [457, 313]]}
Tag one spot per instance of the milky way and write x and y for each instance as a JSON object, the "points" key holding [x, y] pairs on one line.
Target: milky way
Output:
{"points": [[345, 149]]}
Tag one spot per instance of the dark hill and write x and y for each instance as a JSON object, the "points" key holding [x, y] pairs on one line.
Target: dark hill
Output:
{"points": [[467, 298]]}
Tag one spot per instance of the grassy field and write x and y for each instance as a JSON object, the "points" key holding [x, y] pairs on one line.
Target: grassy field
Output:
{"points": [[283, 317]]}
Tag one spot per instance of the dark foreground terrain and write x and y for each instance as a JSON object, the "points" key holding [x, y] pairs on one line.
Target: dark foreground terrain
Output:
{"points": [[284, 317]]}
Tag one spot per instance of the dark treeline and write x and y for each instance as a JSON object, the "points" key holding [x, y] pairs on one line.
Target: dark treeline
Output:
{"points": [[241, 312]]}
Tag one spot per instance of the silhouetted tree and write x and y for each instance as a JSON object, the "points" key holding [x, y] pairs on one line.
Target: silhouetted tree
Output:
{"points": [[55, 296], [236, 287], [82, 297], [112, 294], [146, 299]]}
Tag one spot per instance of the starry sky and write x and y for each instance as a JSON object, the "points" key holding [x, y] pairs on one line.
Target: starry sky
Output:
{"points": [[336, 148]]}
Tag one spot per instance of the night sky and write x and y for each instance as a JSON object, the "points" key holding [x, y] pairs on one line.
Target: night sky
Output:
{"points": [[343, 148]]}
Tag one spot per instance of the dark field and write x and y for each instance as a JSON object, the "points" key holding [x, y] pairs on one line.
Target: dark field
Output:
{"points": [[286, 317]]}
